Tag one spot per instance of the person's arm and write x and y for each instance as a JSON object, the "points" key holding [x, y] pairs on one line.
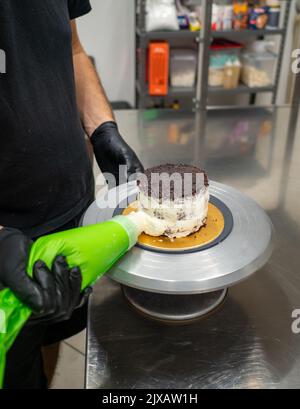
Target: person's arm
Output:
{"points": [[111, 151], [92, 101]]}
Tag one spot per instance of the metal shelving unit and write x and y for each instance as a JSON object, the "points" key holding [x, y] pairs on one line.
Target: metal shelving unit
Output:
{"points": [[143, 38], [197, 97]]}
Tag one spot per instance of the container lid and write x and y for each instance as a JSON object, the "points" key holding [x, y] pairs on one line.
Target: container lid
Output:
{"points": [[183, 54], [265, 56], [223, 44]]}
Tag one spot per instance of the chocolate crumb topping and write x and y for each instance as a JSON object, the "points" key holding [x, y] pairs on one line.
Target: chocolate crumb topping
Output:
{"points": [[173, 181]]}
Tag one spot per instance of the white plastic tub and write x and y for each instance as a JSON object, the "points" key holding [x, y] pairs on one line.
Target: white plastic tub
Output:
{"points": [[258, 69], [183, 68]]}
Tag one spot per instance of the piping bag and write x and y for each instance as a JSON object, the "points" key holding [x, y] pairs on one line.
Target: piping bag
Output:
{"points": [[95, 249]]}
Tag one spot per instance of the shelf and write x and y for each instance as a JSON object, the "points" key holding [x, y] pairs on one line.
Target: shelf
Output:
{"points": [[169, 35], [241, 89], [246, 33], [173, 92], [180, 91], [190, 92], [158, 35]]}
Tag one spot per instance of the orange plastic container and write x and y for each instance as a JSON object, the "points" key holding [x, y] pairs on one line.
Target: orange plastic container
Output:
{"points": [[159, 68]]}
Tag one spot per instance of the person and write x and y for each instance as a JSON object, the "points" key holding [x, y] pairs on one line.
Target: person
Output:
{"points": [[50, 96]]}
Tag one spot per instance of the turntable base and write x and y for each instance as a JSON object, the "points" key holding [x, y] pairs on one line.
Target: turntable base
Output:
{"points": [[174, 309]]}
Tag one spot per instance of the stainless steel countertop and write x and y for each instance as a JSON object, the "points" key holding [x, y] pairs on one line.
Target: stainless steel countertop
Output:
{"points": [[248, 342]]}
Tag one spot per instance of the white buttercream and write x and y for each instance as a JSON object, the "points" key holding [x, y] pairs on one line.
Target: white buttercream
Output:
{"points": [[177, 218], [146, 223]]}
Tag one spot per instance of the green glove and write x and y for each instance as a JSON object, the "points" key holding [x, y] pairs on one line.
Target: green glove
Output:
{"points": [[94, 249]]}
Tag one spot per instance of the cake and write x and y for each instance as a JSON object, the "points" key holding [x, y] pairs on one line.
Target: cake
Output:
{"points": [[176, 196]]}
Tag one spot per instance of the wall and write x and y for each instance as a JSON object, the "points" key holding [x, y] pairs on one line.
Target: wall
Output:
{"points": [[107, 34]]}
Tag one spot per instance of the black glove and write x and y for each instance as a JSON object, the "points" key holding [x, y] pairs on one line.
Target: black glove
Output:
{"points": [[62, 289], [111, 151], [52, 295]]}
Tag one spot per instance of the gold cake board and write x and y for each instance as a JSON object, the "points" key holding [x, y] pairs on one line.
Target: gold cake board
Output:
{"points": [[207, 234]]}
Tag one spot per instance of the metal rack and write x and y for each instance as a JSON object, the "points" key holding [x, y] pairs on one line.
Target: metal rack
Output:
{"points": [[197, 97], [143, 38]]}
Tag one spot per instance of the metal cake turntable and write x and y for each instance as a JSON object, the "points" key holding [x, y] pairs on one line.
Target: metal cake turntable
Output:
{"points": [[181, 281]]}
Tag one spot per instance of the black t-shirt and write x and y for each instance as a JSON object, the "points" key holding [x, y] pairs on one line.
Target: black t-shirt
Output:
{"points": [[45, 172]]}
